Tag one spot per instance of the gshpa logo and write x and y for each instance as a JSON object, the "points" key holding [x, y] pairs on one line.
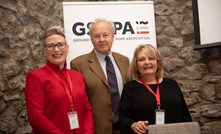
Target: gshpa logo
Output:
{"points": [[79, 28], [142, 27]]}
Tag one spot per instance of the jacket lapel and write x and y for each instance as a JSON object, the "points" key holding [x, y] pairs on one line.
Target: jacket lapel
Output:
{"points": [[120, 65], [95, 66]]}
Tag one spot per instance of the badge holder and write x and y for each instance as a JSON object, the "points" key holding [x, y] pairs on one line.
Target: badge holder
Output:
{"points": [[73, 120], [159, 116]]}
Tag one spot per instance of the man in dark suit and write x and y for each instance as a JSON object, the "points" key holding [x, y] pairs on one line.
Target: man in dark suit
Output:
{"points": [[93, 67]]}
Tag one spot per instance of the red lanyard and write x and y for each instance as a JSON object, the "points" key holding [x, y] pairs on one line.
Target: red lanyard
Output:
{"points": [[157, 96], [70, 97]]}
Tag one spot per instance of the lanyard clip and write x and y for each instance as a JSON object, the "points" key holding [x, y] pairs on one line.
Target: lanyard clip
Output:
{"points": [[158, 107], [72, 109]]}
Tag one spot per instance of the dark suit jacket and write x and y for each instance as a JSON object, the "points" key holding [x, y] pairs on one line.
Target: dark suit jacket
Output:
{"points": [[97, 87]]}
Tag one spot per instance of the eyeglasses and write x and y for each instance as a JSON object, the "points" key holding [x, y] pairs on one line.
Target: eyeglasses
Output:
{"points": [[60, 45]]}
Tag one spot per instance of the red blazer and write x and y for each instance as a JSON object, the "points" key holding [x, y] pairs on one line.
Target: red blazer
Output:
{"points": [[47, 102]]}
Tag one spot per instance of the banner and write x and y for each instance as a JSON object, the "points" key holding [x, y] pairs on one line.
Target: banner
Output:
{"points": [[134, 22]]}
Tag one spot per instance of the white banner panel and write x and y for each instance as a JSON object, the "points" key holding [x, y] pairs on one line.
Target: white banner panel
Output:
{"points": [[209, 21], [134, 22]]}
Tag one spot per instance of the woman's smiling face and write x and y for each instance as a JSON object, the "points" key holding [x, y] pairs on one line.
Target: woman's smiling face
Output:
{"points": [[146, 65], [56, 56]]}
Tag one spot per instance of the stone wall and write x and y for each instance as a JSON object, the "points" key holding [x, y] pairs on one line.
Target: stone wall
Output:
{"points": [[22, 23]]}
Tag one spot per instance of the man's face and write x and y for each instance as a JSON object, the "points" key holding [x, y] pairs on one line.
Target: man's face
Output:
{"points": [[102, 37]]}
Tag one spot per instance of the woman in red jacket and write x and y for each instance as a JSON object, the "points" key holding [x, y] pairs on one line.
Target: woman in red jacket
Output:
{"points": [[56, 99]]}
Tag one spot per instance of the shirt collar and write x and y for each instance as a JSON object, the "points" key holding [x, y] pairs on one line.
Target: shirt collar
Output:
{"points": [[101, 57], [56, 67]]}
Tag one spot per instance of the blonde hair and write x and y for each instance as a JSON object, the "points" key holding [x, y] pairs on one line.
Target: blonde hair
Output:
{"points": [[151, 51], [52, 31]]}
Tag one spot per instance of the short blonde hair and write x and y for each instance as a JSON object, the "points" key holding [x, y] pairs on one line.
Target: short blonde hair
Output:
{"points": [[151, 51], [52, 31]]}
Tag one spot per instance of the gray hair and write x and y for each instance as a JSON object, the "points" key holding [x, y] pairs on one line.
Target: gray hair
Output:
{"points": [[100, 20]]}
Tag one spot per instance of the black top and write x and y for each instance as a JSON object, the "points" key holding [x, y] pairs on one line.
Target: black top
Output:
{"points": [[139, 104]]}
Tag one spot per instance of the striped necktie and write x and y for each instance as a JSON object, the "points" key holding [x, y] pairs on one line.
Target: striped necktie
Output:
{"points": [[112, 81]]}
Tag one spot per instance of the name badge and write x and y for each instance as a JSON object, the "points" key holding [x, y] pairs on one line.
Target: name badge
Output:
{"points": [[159, 116], [73, 120]]}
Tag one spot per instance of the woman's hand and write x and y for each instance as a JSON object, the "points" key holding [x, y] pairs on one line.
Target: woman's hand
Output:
{"points": [[140, 127]]}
